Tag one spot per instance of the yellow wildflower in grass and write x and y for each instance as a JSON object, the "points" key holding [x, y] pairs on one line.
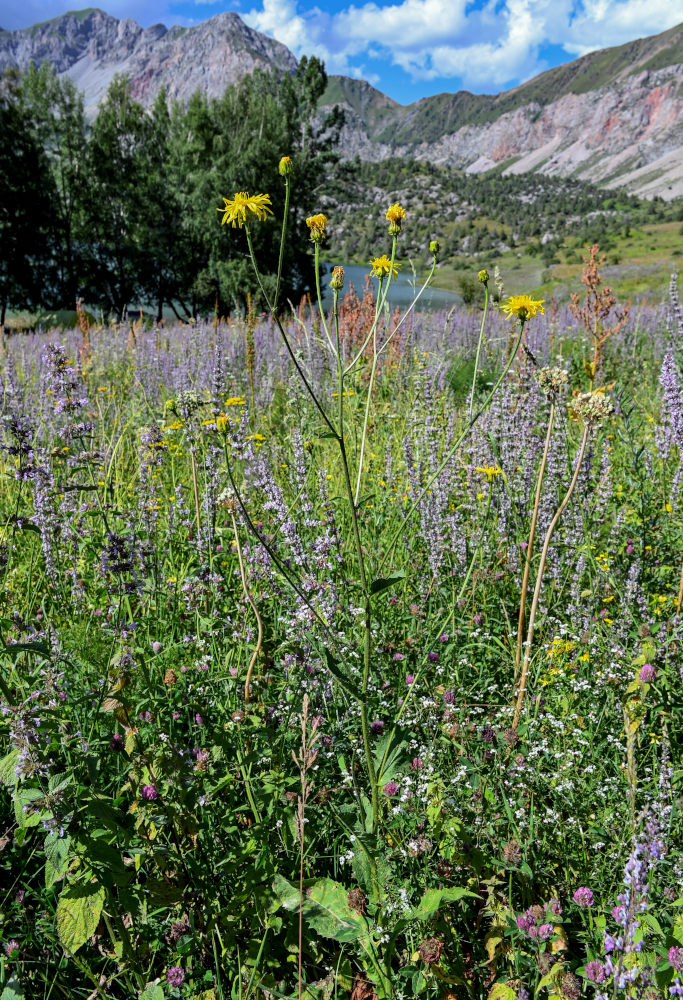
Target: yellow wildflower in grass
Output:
{"points": [[235, 211], [489, 471], [382, 267], [317, 225], [523, 307]]}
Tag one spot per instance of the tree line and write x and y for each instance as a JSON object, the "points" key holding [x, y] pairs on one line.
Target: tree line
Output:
{"points": [[122, 210]]}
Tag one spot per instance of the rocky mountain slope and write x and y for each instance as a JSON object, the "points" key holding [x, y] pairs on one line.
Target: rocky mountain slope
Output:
{"points": [[614, 117], [90, 47]]}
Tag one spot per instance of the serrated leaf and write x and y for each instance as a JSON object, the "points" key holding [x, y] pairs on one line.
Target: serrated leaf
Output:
{"points": [[78, 914], [8, 769], [56, 858]]}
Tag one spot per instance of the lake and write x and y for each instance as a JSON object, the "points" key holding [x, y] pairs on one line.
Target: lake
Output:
{"points": [[401, 291]]}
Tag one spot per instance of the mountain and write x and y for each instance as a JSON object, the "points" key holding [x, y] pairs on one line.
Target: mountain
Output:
{"points": [[614, 117], [90, 47]]}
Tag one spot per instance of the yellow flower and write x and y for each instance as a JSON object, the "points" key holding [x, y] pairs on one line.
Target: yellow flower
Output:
{"points": [[382, 267], [395, 213], [317, 224], [235, 211], [489, 471], [285, 166], [523, 306]]}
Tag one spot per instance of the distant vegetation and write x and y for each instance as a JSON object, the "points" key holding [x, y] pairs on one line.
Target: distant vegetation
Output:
{"points": [[123, 210]]}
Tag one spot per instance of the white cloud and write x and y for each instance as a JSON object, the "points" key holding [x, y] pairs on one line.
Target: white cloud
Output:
{"points": [[490, 47]]}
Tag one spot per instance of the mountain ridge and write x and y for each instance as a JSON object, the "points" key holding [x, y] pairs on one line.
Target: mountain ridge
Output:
{"points": [[613, 116]]}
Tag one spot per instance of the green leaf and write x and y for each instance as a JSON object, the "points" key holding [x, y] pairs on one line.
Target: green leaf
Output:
{"points": [[434, 899], [15, 648], [56, 858], [13, 990], [384, 582], [78, 914], [8, 773], [154, 991], [501, 991], [325, 908], [333, 667]]}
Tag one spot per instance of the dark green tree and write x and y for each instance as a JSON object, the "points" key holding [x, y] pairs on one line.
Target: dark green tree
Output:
{"points": [[25, 200]]}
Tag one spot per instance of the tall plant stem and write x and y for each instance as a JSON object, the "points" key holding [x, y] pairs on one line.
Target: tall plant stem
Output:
{"points": [[530, 543], [476, 360], [539, 577], [679, 602], [367, 602], [247, 593]]}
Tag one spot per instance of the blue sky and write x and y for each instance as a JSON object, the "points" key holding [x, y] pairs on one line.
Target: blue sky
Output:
{"points": [[411, 48]]}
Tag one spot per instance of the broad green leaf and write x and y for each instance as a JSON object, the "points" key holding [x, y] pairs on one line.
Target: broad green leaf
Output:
{"points": [[328, 912], [56, 858], [78, 914], [153, 991], [501, 991], [13, 991], [434, 899], [384, 582], [325, 908]]}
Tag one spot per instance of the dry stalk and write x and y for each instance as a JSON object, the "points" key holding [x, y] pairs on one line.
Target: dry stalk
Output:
{"points": [[247, 594], [530, 543], [539, 577]]}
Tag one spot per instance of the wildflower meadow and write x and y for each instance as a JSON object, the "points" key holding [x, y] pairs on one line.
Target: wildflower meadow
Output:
{"points": [[342, 647]]}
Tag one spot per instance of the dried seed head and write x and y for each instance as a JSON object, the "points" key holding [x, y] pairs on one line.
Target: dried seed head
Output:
{"points": [[357, 900], [551, 380], [430, 950], [592, 407]]}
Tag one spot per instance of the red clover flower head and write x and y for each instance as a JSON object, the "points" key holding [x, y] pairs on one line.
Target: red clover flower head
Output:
{"points": [[647, 673], [595, 972], [583, 897], [148, 792], [391, 788], [175, 976]]}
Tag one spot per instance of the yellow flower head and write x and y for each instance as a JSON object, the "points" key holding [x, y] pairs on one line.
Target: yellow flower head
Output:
{"points": [[235, 211], [317, 225], [285, 166], [523, 307], [382, 267], [489, 471]]}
